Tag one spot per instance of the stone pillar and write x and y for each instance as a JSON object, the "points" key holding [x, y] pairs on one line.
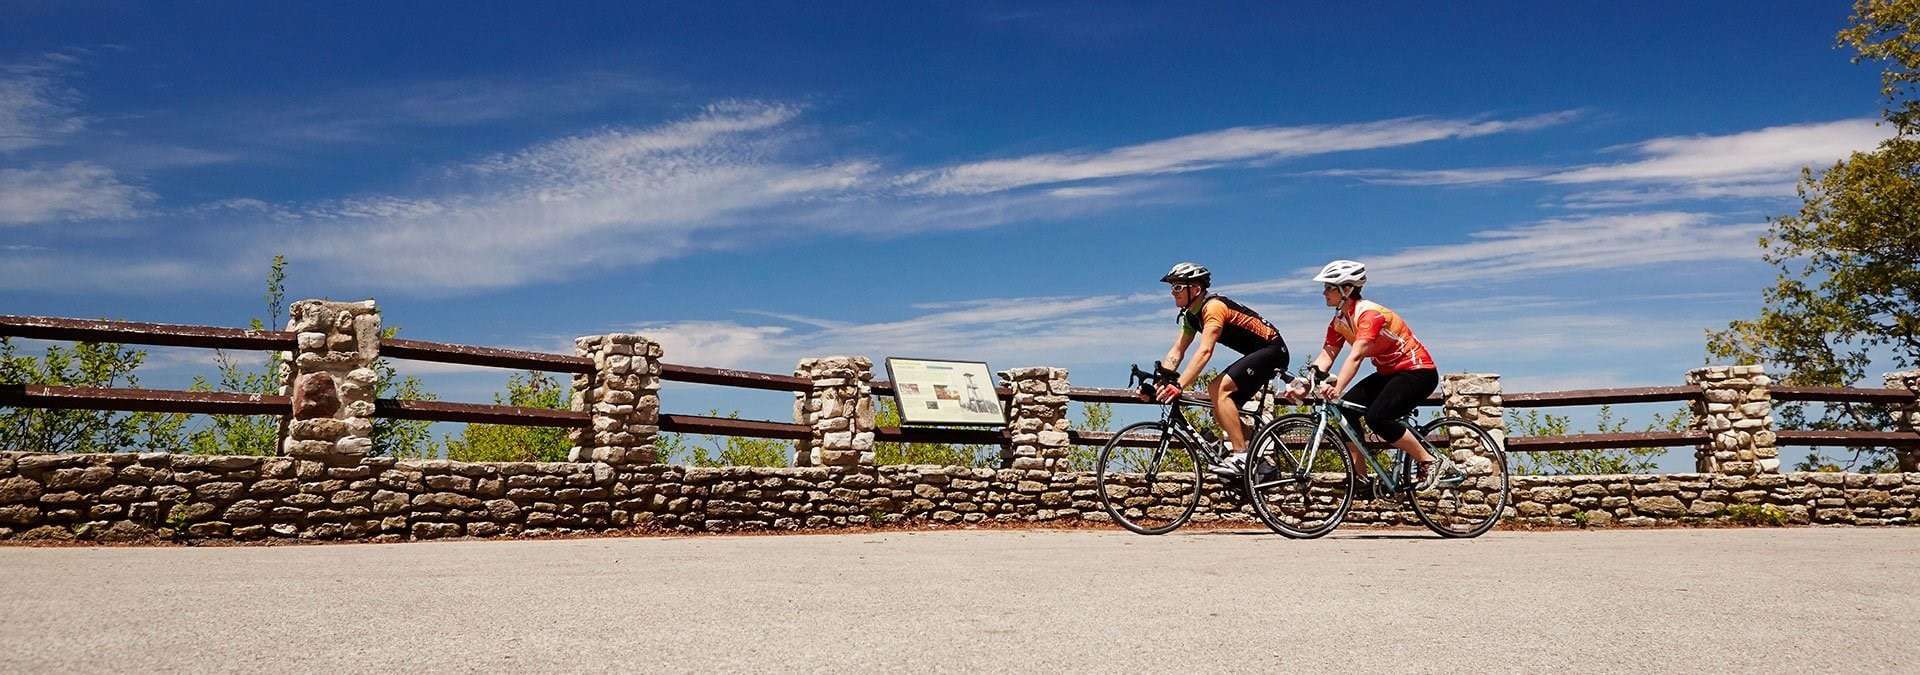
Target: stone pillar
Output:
{"points": [[1735, 409], [1474, 397], [333, 380], [1906, 417], [1039, 421], [839, 407], [623, 395]]}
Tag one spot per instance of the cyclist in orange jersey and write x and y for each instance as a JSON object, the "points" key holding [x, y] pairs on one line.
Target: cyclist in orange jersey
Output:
{"points": [[1404, 373], [1216, 320]]}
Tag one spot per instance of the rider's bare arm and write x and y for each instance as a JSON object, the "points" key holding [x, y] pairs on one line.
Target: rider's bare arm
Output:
{"points": [[1178, 352], [1324, 361], [1209, 335], [1350, 366]]}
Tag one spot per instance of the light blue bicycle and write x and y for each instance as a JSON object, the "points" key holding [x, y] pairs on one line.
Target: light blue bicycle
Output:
{"points": [[1303, 481]]}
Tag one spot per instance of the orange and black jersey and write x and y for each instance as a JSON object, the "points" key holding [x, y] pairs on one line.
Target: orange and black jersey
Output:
{"points": [[1241, 329]]}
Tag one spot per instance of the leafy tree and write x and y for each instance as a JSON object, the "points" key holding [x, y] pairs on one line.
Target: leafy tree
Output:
{"points": [[86, 364], [1588, 462], [1849, 285], [1093, 417], [509, 443], [246, 434], [709, 450], [886, 414], [405, 439], [260, 434]]}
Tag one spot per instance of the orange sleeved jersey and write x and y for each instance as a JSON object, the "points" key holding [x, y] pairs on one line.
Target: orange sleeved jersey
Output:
{"points": [[1241, 329], [1395, 349]]}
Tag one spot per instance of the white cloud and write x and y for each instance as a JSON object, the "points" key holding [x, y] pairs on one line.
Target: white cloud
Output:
{"points": [[1769, 154], [559, 209], [1556, 246], [35, 108], [1759, 164], [1481, 176], [76, 191], [1641, 196], [1238, 145], [39, 270]]}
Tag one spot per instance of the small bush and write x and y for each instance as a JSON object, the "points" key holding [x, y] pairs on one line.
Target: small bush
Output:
{"points": [[1757, 514]]}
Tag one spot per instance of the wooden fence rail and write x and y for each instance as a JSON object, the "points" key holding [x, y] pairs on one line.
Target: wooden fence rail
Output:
{"points": [[227, 403]]}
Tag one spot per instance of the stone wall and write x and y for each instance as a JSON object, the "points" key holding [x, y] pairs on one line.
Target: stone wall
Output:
{"points": [[129, 497]]}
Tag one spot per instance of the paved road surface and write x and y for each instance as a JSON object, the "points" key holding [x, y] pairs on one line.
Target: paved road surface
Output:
{"points": [[1005, 601]]}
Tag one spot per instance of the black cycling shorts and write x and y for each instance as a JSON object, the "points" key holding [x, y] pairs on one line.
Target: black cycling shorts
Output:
{"points": [[1389, 397], [1255, 370]]}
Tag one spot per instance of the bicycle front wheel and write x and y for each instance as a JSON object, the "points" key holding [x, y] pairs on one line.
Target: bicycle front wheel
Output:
{"points": [[1299, 488], [1470, 503], [1148, 479]]}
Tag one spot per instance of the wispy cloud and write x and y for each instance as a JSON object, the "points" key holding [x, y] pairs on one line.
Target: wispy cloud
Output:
{"points": [[1556, 246], [76, 191], [36, 107], [1195, 152], [370, 113], [1481, 176], [1768, 155], [1763, 163]]}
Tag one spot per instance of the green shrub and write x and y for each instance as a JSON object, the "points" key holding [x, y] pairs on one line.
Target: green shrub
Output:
{"points": [[1757, 514]]}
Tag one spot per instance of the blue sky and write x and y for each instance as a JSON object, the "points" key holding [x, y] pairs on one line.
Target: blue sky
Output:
{"points": [[1568, 194]]}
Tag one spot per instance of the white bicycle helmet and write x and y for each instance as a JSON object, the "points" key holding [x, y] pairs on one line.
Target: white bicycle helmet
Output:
{"points": [[1188, 273], [1343, 273]]}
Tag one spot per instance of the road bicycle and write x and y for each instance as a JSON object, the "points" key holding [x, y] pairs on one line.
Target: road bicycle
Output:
{"points": [[1151, 475], [1301, 482]]}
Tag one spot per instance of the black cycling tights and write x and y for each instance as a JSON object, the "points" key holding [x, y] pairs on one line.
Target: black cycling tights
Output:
{"points": [[1390, 396]]}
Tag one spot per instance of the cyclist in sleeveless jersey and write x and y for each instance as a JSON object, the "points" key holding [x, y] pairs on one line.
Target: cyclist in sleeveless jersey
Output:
{"points": [[1218, 320], [1404, 373]]}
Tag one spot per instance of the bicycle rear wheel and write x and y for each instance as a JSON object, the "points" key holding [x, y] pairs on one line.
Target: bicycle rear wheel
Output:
{"points": [[1471, 503], [1148, 479], [1299, 489]]}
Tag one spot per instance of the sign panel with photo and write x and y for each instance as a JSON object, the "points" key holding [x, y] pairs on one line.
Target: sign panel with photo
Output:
{"points": [[932, 391]]}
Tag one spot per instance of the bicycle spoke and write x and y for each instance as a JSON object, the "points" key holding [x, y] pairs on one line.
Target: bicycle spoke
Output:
{"points": [[1474, 500], [1149, 490], [1300, 484]]}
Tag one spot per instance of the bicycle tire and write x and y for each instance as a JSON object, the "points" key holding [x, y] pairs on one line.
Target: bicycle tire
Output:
{"points": [[1137, 500], [1474, 505], [1300, 502]]}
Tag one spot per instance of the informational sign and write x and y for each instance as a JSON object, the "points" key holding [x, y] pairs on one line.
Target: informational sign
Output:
{"points": [[932, 391]]}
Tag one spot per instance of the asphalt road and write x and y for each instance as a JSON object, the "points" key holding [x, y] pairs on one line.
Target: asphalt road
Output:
{"points": [[1004, 601]]}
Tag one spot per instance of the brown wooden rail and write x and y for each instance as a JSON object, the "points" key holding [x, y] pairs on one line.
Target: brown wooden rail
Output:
{"points": [[939, 435], [1646, 439], [1841, 394], [1890, 439], [131, 332], [475, 413], [141, 400], [728, 377], [724, 426], [468, 355]]}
